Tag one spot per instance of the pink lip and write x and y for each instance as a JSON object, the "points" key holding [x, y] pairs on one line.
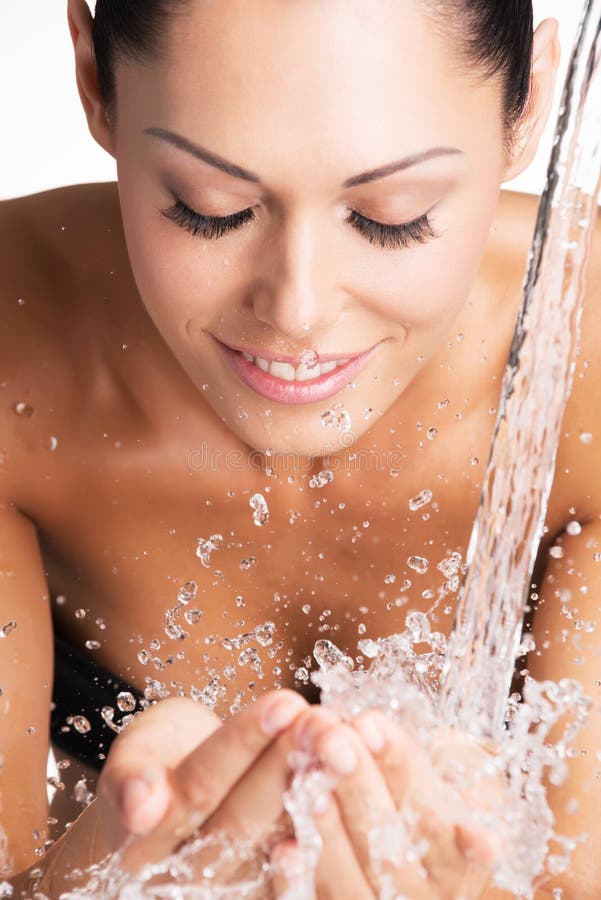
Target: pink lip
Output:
{"points": [[292, 392]]}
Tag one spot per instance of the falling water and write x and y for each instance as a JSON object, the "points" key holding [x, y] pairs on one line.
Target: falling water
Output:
{"points": [[536, 387]]}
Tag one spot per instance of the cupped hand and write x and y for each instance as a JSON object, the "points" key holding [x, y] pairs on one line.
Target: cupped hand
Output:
{"points": [[392, 794], [178, 766]]}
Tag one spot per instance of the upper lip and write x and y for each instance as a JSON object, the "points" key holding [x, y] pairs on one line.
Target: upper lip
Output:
{"points": [[295, 360]]}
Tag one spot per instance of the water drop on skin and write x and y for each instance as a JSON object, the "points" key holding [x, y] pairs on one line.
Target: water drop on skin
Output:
{"points": [[418, 563], [260, 509], [586, 438], [8, 629], [23, 409], [422, 499]]}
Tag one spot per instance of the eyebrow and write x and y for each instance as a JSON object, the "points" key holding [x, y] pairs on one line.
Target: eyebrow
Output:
{"points": [[218, 162]]}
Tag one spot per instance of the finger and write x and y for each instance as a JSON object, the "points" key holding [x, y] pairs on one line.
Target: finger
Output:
{"points": [[288, 871], [361, 792], [338, 872], [208, 776], [402, 761], [134, 785], [370, 814], [408, 770]]}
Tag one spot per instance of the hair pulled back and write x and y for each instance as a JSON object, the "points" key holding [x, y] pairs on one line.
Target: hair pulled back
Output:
{"points": [[494, 36]]}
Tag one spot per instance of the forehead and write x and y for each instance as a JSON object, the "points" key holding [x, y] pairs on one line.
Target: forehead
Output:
{"points": [[340, 79]]}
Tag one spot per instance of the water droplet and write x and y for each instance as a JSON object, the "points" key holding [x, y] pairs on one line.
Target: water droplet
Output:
{"points": [[301, 675], [527, 645], [144, 657], [248, 563], [442, 403], [326, 476], [556, 552], [336, 417], [432, 434], [328, 655], [81, 724], [474, 460], [264, 633], [205, 548], [8, 629], [389, 579], [368, 412], [126, 701], [92, 645], [418, 564], [260, 509], [586, 437], [309, 358], [52, 442], [187, 592], [249, 655], [422, 499], [193, 616], [80, 613], [23, 409], [573, 528], [418, 626], [306, 608]]}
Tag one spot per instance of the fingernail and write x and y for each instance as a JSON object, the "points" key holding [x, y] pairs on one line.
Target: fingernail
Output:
{"points": [[339, 756], [370, 732], [143, 803], [280, 715]]}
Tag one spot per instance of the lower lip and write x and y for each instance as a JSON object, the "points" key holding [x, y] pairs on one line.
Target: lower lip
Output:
{"points": [[281, 391]]}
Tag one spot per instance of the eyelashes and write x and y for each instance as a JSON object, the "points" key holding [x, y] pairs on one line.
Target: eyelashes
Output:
{"points": [[391, 237], [210, 227]]}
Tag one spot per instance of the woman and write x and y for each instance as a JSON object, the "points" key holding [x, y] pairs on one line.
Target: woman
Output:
{"points": [[160, 352]]}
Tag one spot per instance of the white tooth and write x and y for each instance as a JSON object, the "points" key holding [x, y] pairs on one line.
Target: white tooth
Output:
{"points": [[282, 370], [262, 364], [305, 374], [327, 367], [247, 356]]}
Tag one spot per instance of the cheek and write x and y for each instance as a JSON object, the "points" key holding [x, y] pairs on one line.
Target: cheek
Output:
{"points": [[179, 277], [431, 283]]}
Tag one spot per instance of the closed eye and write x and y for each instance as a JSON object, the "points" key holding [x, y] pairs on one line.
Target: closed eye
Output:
{"points": [[387, 236]]}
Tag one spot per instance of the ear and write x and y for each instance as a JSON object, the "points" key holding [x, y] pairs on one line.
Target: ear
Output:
{"points": [[546, 53], [80, 26]]}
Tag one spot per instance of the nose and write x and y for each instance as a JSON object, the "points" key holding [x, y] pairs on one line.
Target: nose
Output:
{"points": [[297, 293]]}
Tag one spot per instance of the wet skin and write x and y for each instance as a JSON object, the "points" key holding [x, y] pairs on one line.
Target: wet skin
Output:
{"points": [[117, 506]]}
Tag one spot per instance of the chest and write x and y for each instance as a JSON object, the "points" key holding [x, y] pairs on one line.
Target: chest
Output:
{"points": [[339, 559]]}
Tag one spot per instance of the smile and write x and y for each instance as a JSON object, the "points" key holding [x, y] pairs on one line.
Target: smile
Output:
{"points": [[284, 382]]}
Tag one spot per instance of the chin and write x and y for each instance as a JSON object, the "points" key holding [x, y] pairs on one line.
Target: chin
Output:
{"points": [[301, 442]]}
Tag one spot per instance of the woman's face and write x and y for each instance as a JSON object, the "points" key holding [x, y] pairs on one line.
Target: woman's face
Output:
{"points": [[303, 97]]}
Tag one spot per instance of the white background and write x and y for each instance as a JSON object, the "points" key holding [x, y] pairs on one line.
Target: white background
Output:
{"points": [[44, 140]]}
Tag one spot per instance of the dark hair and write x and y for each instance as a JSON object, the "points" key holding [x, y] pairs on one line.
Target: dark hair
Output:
{"points": [[495, 36]]}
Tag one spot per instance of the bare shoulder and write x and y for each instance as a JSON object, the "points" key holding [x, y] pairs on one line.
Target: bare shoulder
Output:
{"points": [[51, 261]]}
